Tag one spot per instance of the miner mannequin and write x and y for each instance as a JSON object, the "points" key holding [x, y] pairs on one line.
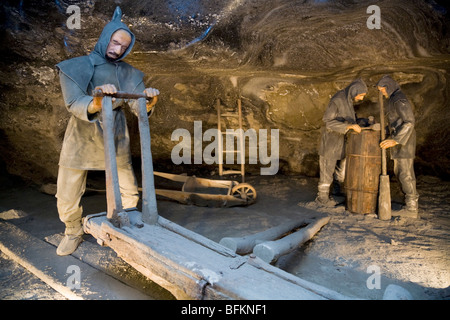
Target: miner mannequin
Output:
{"points": [[339, 118], [83, 150], [402, 140]]}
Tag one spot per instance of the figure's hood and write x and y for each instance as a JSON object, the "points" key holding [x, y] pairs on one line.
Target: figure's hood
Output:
{"points": [[103, 41], [81, 69], [390, 84], [355, 88]]}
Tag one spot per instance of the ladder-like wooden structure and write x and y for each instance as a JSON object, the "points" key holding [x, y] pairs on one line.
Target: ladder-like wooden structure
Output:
{"points": [[240, 135]]}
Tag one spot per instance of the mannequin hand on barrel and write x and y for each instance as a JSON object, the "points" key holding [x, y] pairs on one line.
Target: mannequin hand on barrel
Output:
{"points": [[354, 127], [96, 104], [388, 143]]}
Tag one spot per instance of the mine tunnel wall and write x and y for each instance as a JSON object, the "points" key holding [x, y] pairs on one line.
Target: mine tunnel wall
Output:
{"points": [[284, 59]]}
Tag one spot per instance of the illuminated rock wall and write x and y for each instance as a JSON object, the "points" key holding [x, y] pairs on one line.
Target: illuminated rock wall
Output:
{"points": [[284, 58]]}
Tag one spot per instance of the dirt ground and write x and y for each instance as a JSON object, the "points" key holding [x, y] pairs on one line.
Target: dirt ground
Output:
{"points": [[342, 256]]}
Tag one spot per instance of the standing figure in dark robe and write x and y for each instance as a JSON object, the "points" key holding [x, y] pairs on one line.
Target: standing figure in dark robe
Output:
{"points": [[339, 117], [402, 139], [83, 148]]}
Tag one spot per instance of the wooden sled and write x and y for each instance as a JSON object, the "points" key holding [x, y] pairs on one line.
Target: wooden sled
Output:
{"points": [[207, 192], [187, 264]]}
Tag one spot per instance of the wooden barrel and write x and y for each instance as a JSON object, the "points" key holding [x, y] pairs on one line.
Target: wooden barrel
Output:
{"points": [[362, 171]]}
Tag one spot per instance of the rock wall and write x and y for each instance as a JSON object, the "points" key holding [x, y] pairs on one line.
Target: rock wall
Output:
{"points": [[285, 59]]}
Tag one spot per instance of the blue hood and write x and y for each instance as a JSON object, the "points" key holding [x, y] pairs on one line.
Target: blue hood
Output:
{"points": [[81, 69]]}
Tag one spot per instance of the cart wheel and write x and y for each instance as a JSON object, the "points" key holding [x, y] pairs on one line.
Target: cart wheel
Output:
{"points": [[244, 191]]}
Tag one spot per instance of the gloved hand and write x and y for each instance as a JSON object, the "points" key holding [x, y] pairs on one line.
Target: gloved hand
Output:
{"points": [[96, 104], [388, 143], [354, 127], [151, 92]]}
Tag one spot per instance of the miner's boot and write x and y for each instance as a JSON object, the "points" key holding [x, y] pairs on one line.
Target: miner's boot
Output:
{"points": [[412, 204], [411, 209], [73, 236], [338, 189], [323, 197]]}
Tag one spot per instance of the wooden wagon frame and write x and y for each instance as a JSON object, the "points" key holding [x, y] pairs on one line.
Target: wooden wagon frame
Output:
{"points": [[208, 192]]}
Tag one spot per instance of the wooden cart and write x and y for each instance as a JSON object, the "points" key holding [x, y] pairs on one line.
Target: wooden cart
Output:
{"points": [[208, 192]]}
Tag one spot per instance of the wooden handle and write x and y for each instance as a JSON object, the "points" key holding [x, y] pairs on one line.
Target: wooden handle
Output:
{"points": [[381, 102], [122, 95], [383, 134]]}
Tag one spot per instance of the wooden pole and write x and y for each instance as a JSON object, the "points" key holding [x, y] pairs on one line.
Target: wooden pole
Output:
{"points": [[149, 208], [113, 197], [244, 245], [384, 198], [270, 251], [219, 137], [241, 141]]}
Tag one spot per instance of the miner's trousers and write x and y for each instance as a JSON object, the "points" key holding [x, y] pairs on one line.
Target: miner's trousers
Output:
{"points": [[71, 185], [330, 169], [404, 171]]}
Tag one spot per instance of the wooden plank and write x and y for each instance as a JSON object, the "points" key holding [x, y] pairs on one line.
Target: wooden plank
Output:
{"points": [[231, 172], [106, 260], [195, 237], [171, 176], [224, 184], [39, 258], [317, 289], [190, 270], [202, 199]]}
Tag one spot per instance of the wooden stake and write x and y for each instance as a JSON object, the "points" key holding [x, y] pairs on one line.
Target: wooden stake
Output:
{"points": [[384, 198]]}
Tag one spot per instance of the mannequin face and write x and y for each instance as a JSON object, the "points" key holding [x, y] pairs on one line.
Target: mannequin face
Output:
{"points": [[119, 43], [383, 91], [360, 97]]}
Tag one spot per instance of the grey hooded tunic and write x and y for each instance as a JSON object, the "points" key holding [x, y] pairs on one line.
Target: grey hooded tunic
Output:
{"points": [[338, 115], [83, 141], [401, 120]]}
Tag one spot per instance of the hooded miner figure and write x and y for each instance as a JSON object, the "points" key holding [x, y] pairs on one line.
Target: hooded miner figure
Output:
{"points": [[339, 117], [402, 139], [83, 150]]}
